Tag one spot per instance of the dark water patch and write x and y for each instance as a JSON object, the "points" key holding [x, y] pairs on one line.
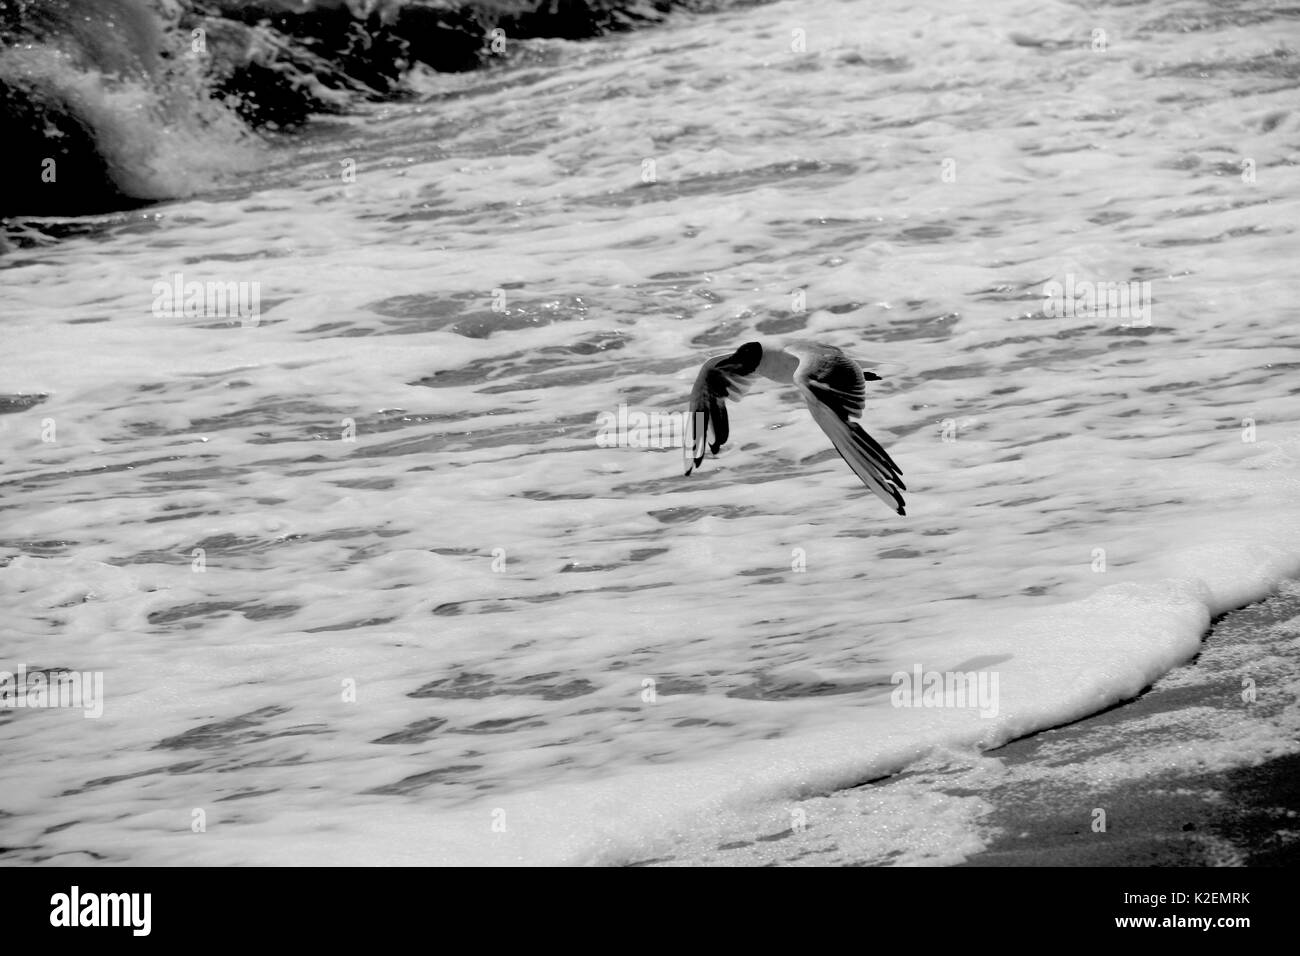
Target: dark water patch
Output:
{"points": [[1234, 168], [32, 482], [500, 212], [480, 371], [872, 531], [187, 766], [522, 434], [51, 547], [766, 687], [545, 687], [268, 411], [236, 731], [1048, 45], [680, 686], [640, 394], [466, 685], [577, 567], [937, 327], [546, 371], [642, 554], [343, 330], [917, 119], [881, 64], [1008, 292], [589, 345], [953, 372], [683, 515], [1280, 63], [418, 781], [727, 332], [1029, 499], [719, 184], [765, 575], [502, 725], [199, 609], [350, 625], [20, 403], [707, 294], [1178, 387], [202, 609], [1138, 331], [1209, 240], [1211, 208], [456, 313], [237, 321], [177, 515], [1109, 218], [563, 375], [1194, 18], [37, 232], [230, 545], [413, 733], [843, 308], [393, 419], [244, 795], [269, 612], [379, 483], [1043, 151], [782, 323], [476, 686], [1037, 440], [930, 233], [980, 663], [1080, 329], [409, 445]]}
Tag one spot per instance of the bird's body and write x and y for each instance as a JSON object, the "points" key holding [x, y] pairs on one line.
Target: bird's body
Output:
{"points": [[832, 385]]}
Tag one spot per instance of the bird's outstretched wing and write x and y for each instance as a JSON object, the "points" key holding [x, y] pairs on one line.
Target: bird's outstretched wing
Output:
{"points": [[727, 376], [835, 389]]}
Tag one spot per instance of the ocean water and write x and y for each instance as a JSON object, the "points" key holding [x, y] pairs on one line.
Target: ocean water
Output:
{"points": [[363, 585]]}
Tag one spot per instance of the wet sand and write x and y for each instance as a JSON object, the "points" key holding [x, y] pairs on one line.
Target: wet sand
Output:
{"points": [[1187, 811]]}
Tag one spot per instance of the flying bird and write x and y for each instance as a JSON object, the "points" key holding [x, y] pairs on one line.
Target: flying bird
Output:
{"points": [[832, 384]]}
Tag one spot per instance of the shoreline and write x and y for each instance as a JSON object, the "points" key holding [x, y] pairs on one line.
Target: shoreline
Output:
{"points": [[1195, 808], [1187, 774]]}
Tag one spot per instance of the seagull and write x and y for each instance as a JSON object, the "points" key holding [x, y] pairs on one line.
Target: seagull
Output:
{"points": [[832, 384]]}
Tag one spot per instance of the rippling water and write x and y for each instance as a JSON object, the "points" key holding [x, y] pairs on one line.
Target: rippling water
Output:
{"points": [[364, 587]]}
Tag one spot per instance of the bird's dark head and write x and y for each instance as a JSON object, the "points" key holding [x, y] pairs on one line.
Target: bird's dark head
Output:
{"points": [[747, 357]]}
